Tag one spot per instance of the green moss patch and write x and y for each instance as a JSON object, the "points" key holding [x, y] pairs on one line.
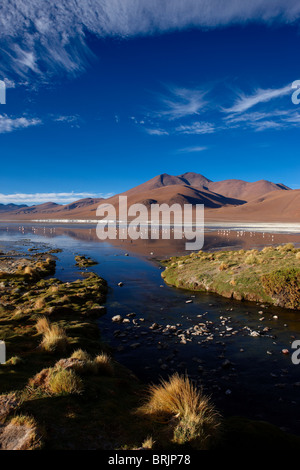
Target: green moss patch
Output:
{"points": [[271, 275]]}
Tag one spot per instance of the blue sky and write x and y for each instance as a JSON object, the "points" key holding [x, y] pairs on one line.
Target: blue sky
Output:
{"points": [[102, 96]]}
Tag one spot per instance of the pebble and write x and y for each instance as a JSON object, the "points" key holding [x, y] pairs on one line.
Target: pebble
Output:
{"points": [[254, 334], [117, 319]]}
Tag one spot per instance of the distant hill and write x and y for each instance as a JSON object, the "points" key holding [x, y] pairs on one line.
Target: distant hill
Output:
{"points": [[224, 200], [10, 207], [54, 209]]}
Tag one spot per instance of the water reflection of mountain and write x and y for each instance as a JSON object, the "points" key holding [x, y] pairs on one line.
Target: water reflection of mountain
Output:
{"points": [[217, 239]]}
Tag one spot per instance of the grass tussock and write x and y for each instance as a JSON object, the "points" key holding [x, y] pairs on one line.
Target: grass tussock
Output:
{"points": [[65, 382], [54, 339], [190, 415], [104, 364], [81, 355], [251, 259], [84, 364], [148, 443], [223, 267], [29, 271], [42, 325], [23, 420]]}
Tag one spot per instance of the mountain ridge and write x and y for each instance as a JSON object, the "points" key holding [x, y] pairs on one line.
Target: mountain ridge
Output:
{"points": [[226, 198]]}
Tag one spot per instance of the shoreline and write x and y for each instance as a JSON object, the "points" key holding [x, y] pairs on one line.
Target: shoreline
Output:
{"points": [[243, 226], [268, 276], [72, 411]]}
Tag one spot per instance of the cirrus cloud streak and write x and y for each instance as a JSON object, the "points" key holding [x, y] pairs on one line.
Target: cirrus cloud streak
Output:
{"points": [[38, 36]]}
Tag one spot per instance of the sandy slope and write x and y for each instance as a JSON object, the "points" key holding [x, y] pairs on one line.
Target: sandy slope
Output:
{"points": [[277, 206], [224, 200]]}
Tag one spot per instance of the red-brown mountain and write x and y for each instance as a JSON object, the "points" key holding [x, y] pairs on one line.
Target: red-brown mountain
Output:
{"points": [[232, 188], [228, 199]]}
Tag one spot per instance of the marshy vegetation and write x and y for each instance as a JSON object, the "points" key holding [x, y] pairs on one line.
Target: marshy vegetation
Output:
{"points": [[60, 387], [84, 262], [271, 275]]}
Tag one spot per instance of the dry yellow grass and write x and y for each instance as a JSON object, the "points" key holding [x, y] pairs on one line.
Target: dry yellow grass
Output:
{"points": [[42, 325], [223, 267], [251, 259], [81, 355], [65, 299], [83, 364], [148, 443], [104, 364], [54, 339], [30, 271], [190, 414], [23, 420], [54, 289], [14, 361], [65, 382], [39, 304], [286, 247], [267, 249]]}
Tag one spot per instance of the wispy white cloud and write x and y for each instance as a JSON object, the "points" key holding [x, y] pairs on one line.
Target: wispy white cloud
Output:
{"points": [[41, 198], [182, 102], [192, 149], [72, 121], [39, 35], [245, 102], [293, 118], [196, 128], [270, 115], [267, 125], [8, 124], [156, 131], [261, 121], [67, 119], [9, 83]]}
